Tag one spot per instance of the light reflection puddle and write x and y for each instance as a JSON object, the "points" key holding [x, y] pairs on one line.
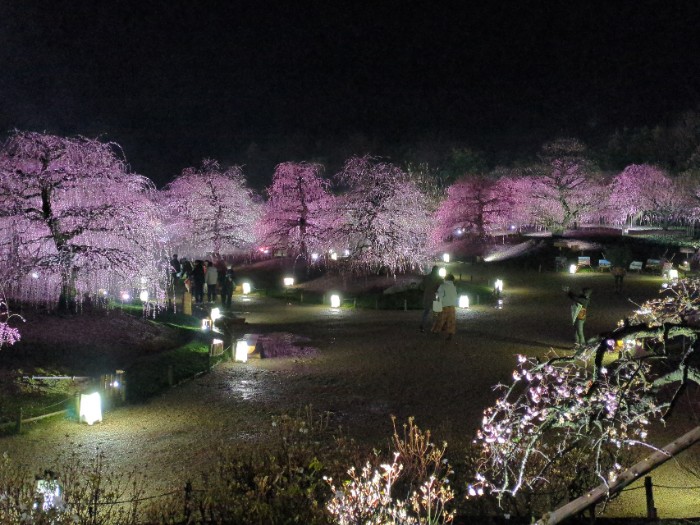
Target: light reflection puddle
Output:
{"points": [[246, 389]]}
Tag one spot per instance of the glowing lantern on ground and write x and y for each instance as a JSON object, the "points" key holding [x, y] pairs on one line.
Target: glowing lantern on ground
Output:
{"points": [[215, 314], [334, 256], [314, 257], [246, 288], [206, 324], [125, 296], [289, 281], [673, 274], [498, 285], [241, 353], [144, 296], [335, 301], [446, 257], [442, 272], [572, 268], [464, 301], [217, 347], [90, 408]]}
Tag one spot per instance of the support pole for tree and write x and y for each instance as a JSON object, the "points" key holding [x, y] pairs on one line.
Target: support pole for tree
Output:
{"points": [[628, 476], [649, 490]]}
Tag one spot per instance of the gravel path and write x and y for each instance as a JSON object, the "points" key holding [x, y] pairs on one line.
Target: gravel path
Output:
{"points": [[370, 365]]}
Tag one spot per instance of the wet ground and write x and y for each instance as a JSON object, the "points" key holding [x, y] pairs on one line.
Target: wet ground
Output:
{"points": [[370, 365]]}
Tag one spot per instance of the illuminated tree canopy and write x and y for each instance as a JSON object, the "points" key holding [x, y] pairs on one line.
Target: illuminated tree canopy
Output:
{"points": [[75, 221], [384, 217], [300, 214], [210, 210], [475, 205]]}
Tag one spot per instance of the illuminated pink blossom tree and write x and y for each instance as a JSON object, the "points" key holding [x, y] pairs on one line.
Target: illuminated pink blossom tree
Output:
{"points": [[384, 217], [564, 190], [562, 414], [210, 210], [300, 213], [641, 190], [75, 221], [475, 205]]}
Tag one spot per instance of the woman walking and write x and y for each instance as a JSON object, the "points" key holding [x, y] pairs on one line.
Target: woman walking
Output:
{"points": [[447, 320]]}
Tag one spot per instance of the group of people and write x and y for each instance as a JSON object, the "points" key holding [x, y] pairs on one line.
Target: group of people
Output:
{"points": [[205, 277], [440, 296]]}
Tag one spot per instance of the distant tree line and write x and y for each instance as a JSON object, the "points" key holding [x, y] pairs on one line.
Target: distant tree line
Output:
{"points": [[77, 223]]}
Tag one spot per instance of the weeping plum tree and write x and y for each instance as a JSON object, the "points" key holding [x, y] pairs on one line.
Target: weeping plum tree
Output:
{"points": [[210, 210], [563, 415], [477, 205], [644, 190], [74, 219], [564, 189], [384, 220], [300, 213]]}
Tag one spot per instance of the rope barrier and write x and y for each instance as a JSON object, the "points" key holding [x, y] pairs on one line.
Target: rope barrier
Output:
{"points": [[138, 500]]}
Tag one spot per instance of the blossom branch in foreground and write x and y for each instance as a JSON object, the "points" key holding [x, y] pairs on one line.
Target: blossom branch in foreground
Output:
{"points": [[562, 405]]}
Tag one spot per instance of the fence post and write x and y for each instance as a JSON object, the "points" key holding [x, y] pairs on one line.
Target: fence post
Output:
{"points": [[188, 501], [301, 297], [649, 489], [171, 377], [20, 415], [376, 303], [405, 305]]}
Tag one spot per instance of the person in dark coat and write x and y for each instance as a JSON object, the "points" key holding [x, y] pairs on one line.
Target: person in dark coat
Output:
{"points": [[618, 273], [175, 268], [430, 284], [198, 281], [228, 284], [579, 311]]}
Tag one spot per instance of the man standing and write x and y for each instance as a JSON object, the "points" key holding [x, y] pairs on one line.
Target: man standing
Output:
{"points": [[619, 274], [430, 285], [579, 310], [228, 284]]}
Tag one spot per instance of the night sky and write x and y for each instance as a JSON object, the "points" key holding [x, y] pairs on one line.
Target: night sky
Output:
{"points": [[175, 81]]}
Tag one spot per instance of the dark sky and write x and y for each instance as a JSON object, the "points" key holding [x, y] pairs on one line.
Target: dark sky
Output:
{"points": [[175, 81]]}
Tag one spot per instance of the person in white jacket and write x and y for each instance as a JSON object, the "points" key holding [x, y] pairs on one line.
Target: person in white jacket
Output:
{"points": [[212, 279], [447, 320]]}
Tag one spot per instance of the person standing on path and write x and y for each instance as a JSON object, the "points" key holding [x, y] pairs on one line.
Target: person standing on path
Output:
{"points": [[579, 310], [430, 285], [198, 281], [447, 320], [212, 280], [228, 284], [618, 273]]}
